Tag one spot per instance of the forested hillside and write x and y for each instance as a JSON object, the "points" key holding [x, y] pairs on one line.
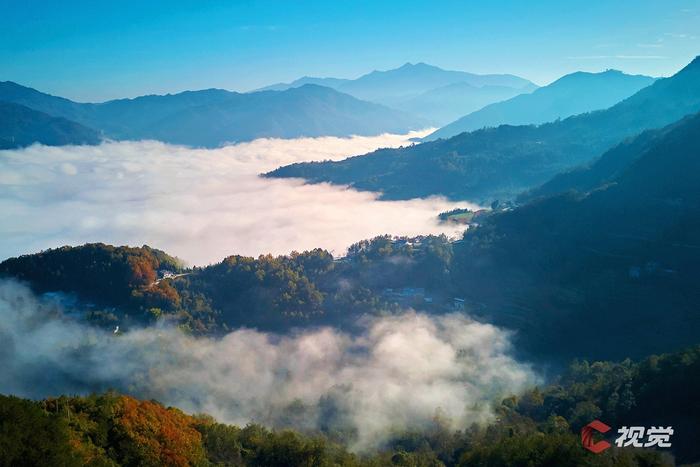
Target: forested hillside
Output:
{"points": [[499, 163], [610, 271], [138, 285], [537, 428]]}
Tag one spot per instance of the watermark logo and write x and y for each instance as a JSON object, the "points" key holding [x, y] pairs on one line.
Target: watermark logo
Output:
{"points": [[656, 436], [632, 436], [587, 436]]}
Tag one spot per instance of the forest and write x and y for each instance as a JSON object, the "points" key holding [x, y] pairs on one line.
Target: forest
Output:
{"points": [[539, 427], [125, 285]]}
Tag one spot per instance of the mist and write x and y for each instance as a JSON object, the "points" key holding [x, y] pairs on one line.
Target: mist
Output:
{"points": [[198, 204], [398, 373]]}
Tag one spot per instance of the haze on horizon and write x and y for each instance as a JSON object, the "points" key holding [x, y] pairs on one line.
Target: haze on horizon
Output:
{"points": [[69, 49]]}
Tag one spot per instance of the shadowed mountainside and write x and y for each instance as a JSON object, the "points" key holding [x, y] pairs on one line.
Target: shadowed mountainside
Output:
{"points": [[21, 126], [213, 117], [501, 162], [572, 94]]}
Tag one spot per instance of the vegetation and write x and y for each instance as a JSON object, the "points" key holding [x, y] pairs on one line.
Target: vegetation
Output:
{"points": [[122, 284], [608, 270], [608, 273], [457, 216], [537, 428], [499, 163]]}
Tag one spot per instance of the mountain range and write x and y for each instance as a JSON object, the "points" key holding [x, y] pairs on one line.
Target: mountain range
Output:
{"points": [[214, 117], [427, 91], [447, 103], [22, 126], [572, 94], [607, 269], [598, 262], [501, 162]]}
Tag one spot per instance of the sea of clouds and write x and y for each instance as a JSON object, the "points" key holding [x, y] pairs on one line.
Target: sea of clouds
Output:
{"points": [[398, 373], [199, 204]]}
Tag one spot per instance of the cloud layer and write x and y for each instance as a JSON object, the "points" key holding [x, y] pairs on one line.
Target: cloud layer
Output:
{"points": [[201, 205], [398, 373]]}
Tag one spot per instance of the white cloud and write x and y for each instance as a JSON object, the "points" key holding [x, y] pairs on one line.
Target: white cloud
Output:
{"points": [[397, 373], [198, 204]]}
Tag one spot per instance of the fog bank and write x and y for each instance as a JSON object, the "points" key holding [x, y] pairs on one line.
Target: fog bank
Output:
{"points": [[198, 204], [398, 373]]}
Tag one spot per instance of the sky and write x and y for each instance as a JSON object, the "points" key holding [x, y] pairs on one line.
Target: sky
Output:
{"points": [[94, 51]]}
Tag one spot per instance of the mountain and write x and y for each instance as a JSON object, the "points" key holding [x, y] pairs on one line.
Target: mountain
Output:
{"points": [[21, 126], [501, 162], [541, 425], [424, 90], [600, 171], [334, 83], [408, 81], [610, 271], [270, 293], [309, 110], [52, 105], [572, 94], [446, 103], [213, 117]]}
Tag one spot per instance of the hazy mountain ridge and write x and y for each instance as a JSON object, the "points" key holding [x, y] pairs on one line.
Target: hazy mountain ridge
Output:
{"points": [[446, 103], [424, 90], [309, 110], [504, 161], [21, 126], [212, 117], [572, 94], [411, 80], [334, 83]]}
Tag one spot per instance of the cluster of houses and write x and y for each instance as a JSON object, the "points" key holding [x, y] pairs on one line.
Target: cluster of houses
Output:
{"points": [[412, 296]]}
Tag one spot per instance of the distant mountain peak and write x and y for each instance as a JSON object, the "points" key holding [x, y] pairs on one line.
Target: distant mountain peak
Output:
{"points": [[595, 75], [575, 93], [312, 88], [418, 65]]}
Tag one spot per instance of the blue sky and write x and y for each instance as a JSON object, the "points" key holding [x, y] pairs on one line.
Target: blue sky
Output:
{"points": [[97, 50]]}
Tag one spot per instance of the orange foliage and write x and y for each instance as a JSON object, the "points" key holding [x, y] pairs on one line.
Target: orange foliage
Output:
{"points": [[162, 295], [142, 270], [160, 436]]}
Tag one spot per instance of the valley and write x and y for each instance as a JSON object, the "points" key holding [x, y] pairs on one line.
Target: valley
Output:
{"points": [[274, 234]]}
